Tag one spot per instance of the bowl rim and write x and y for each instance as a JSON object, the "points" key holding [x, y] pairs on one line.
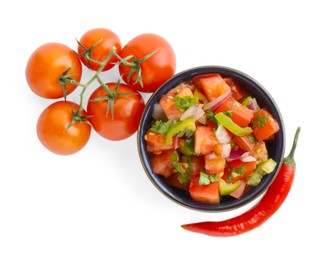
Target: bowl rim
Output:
{"points": [[175, 80]]}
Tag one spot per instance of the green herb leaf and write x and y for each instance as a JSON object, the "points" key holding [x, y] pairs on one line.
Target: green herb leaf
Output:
{"points": [[206, 179], [211, 116], [259, 121], [228, 113], [162, 127], [183, 176], [183, 103], [187, 132]]}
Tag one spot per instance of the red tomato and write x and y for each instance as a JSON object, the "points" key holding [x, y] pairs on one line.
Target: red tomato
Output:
{"points": [[204, 193], [205, 140], [214, 164], [54, 132], [264, 125], [156, 142], [169, 105], [45, 67], [198, 164], [236, 90], [240, 114], [246, 143], [156, 69], [162, 163], [105, 40], [213, 85], [127, 104], [260, 152], [238, 170]]}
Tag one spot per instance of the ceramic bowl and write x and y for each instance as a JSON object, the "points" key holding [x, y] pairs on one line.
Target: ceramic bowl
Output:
{"points": [[275, 147]]}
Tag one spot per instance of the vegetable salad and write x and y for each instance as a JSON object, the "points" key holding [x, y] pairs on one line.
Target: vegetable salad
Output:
{"points": [[208, 137]]}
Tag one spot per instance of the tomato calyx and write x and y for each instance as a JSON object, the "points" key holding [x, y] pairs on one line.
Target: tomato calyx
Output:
{"points": [[66, 78], [87, 53], [111, 96], [77, 117], [135, 64]]}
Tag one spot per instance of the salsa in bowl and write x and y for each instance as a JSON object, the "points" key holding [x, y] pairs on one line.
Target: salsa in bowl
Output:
{"points": [[211, 138]]}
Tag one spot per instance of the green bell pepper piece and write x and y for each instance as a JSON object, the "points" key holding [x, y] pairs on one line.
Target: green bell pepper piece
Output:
{"points": [[200, 96], [262, 169], [228, 123], [227, 188], [247, 101], [187, 124]]}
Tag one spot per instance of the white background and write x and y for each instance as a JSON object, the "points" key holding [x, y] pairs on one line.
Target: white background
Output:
{"points": [[98, 203]]}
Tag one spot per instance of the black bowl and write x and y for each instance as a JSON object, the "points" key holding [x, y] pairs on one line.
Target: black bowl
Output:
{"points": [[275, 147]]}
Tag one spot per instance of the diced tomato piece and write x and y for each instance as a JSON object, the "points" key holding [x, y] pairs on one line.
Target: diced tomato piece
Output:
{"points": [[238, 170], [197, 79], [184, 91], [162, 163], [239, 191], [212, 85], [240, 114], [260, 152], [198, 164], [168, 104], [236, 90], [156, 142], [246, 143], [204, 193], [214, 164], [264, 125], [205, 140]]}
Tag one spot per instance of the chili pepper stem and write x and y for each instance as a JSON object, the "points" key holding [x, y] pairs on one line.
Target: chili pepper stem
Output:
{"points": [[290, 158]]}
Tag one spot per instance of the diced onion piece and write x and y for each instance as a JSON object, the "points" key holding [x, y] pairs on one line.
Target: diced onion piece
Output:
{"points": [[248, 158], [203, 120], [226, 148], [194, 112], [253, 104], [215, 103], [236, 154], [211, 156], [222, 135]]}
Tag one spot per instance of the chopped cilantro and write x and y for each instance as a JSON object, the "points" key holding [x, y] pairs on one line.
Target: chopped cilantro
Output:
{"points": [[259, 121], [183, 103], [238, 171], [187, 132], [183, 176], [211, 116], [161, 127], [206, 179], [251, 138], [228, 113]]}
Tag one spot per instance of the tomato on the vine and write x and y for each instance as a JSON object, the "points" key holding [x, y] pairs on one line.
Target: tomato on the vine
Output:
{"points": [[115, 115], [154, 70], [50, 69], [95, 45], [61, 130]]}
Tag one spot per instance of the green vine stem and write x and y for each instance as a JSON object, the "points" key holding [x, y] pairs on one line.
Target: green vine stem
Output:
{"points": [[131, 61]]}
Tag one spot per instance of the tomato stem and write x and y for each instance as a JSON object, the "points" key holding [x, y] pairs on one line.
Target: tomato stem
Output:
{"points": [[87, 53], [135, 65], [96, 76]]}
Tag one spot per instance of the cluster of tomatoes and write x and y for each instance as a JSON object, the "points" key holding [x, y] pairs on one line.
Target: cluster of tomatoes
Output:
{"points": [[114, 109]]}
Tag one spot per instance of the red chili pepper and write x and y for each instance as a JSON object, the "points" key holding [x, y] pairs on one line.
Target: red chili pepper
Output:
{"points": [[266, 207]]}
